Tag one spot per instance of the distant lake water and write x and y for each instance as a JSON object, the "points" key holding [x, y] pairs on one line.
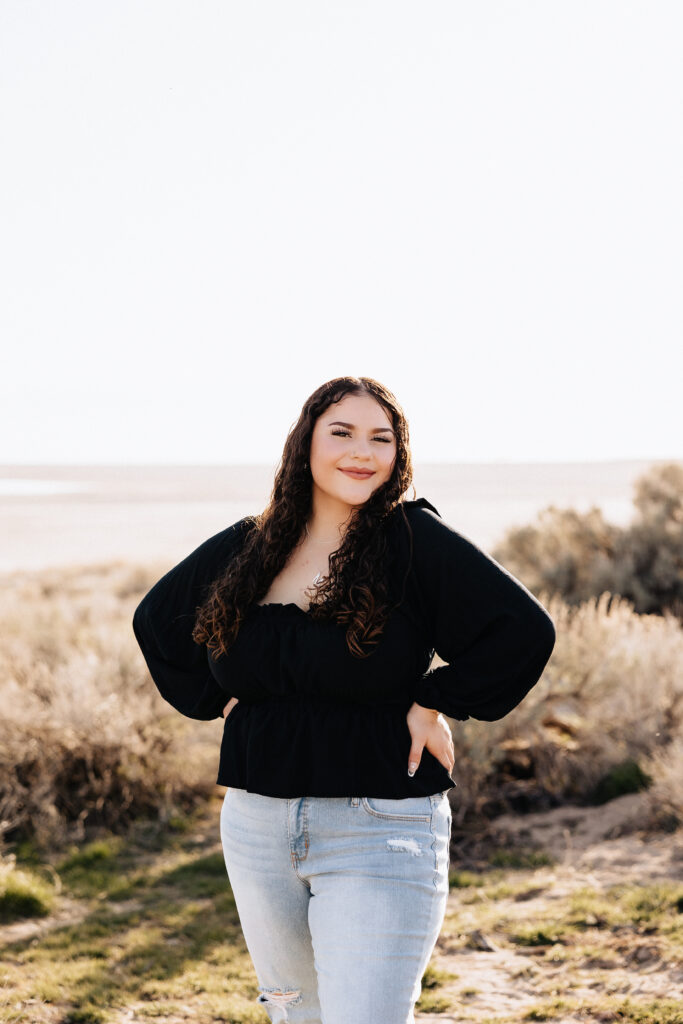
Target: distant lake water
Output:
{"points": [[76, 515]]}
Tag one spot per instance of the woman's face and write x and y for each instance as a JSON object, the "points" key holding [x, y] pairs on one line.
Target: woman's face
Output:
{"points": [[353, 449]]}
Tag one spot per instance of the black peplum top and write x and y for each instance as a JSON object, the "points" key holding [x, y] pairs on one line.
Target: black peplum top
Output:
{"points": [[314, 720]]}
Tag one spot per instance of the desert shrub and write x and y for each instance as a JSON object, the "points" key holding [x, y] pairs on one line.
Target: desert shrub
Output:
{"points": [[665, 766], [609, 701], [85, 738], [579, 555]]}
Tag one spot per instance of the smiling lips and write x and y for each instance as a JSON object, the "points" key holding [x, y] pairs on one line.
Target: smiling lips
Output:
{"points": [[359, 474]]}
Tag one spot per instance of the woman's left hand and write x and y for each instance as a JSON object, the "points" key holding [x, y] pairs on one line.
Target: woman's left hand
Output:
{"points": [[428, 728], [229, 706]]}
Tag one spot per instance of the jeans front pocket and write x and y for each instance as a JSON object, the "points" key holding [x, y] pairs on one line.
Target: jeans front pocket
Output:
{"points": [[409, 808]]}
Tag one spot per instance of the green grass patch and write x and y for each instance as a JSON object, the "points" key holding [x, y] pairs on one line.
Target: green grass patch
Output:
{"points": [[622, 778], [653, 907], [435, 976], [98, 867], [180, 823], [520, 859], [85, 1015], [433, 1002], [547, 935], [93, 853], [23, 894], [198, 877], [465, 879], [660, 1011], [548, 1011]]}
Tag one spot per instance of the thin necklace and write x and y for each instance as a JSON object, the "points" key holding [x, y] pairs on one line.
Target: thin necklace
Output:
{"points": [[320, 540]]}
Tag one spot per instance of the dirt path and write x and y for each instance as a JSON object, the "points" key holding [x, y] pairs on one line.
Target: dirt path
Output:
{"points": [[607, 967]]}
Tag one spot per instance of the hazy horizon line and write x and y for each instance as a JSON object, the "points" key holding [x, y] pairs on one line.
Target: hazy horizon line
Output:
{"points": [[270, 465]]}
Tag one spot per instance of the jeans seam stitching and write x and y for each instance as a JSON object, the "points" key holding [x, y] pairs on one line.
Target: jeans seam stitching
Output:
{"points": [[292, 854], [435, 877], [305, 824], [394, 817]]}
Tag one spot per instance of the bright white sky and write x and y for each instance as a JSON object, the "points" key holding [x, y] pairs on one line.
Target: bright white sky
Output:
{"points": [[208, 208]]}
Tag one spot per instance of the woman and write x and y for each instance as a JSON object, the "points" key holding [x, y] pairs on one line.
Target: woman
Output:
{"points": [[311, 628]]}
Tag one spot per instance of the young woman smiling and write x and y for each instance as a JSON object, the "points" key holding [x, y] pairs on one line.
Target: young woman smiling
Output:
{"points": [[311, 628]]}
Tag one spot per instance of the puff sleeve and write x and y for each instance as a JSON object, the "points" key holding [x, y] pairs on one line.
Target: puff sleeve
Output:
{"points": [[163, 623], [494, 635]]}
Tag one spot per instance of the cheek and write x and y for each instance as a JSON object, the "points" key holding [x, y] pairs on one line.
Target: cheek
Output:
{"points": [[385, 468], [390, 461], [321, 453]]}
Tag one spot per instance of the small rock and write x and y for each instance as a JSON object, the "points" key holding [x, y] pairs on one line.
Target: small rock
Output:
{"points": [[530, 894], [643, 955], [477, 940]]}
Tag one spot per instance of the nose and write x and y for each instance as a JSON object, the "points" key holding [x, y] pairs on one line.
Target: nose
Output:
{"points": [[361, 451]]}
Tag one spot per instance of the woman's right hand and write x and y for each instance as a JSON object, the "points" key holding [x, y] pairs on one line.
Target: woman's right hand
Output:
{"points": [[229, 706], [428, 728]]}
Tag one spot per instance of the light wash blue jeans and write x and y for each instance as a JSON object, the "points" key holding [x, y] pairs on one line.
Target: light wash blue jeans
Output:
{"points": [[340, 899]]}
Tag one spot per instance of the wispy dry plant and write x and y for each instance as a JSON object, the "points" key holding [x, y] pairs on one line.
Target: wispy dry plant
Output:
{"points": [[84, 737], [665, 768], [579, 555], [611, 696]]}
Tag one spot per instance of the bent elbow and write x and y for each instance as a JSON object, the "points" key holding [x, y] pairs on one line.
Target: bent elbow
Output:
{"points": [[137, 623], [541, 631], [547, 634]]}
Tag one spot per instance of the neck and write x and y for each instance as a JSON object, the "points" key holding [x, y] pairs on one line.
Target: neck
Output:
{"points": [[329, 517]]}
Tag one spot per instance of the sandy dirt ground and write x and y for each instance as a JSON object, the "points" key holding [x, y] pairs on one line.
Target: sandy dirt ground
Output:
{"points": [[595, 847]]}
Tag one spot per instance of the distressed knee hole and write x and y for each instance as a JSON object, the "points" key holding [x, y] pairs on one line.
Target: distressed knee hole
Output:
{"points": [[405, 846], [280, 998]]}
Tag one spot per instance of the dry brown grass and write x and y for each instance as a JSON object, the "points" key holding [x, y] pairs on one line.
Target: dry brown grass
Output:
{"points": [[608, 708], [86, 739], [579, 555], [665, 767]]}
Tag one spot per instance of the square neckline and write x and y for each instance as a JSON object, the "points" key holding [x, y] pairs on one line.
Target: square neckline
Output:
{"points": [[280, 604]]}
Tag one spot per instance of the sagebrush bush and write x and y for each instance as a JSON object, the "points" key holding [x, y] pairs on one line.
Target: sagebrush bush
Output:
{"points": [[665, 767], [579, 555], [612, 693], [85, 737]]}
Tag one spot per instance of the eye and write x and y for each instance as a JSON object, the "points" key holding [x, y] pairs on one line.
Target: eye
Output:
{"points": [[345, 433]]}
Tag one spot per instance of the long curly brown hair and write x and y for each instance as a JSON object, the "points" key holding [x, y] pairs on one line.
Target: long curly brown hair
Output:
{"points": [[356, 591]]}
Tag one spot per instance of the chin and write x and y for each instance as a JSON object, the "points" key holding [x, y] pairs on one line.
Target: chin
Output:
{"points": [[349, 494], [359, 495]]}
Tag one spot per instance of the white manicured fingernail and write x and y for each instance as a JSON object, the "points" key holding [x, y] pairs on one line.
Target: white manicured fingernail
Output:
{"points": [[412, 768]]}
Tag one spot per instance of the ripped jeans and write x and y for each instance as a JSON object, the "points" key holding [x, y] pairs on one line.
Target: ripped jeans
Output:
{"points": [[340, 899]]}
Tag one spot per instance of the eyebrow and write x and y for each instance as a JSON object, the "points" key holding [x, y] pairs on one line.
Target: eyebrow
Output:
{"points": [[376, 430]]}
